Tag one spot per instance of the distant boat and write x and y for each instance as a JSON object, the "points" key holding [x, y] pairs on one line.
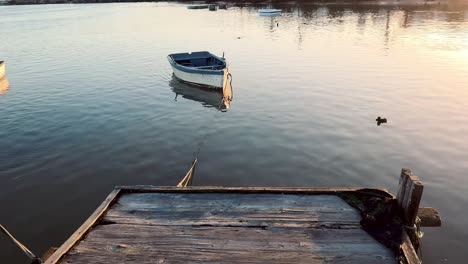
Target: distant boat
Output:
{"points": [[199, 68], [2, 69], [212, 7], [197, 7], [222, 6], [269, 11]]}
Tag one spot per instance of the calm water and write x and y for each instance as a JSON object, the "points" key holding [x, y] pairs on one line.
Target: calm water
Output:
{"points": [[92, 104]]}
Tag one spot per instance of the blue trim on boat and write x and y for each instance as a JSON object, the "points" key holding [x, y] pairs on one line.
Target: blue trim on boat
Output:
{"points": [[173, 58]]}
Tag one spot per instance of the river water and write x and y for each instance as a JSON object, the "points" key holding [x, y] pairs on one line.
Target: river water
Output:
{"points": [[92, 104]]}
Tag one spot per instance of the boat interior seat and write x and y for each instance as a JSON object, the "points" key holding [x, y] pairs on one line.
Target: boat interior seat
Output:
{"points": [[201, 63], [188, 64], [205, 67]]}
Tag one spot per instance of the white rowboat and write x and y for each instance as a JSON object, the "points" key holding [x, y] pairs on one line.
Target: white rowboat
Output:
{"points": [[199, 68]]}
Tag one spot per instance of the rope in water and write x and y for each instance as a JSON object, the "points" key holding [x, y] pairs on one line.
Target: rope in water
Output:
{"points": [[26, 251], [226, 100]]}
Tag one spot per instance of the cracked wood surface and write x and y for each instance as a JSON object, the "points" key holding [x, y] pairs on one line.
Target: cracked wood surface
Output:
{"points": [[227, 228]]}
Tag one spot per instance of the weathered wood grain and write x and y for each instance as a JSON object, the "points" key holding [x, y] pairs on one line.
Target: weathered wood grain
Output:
{"points": [[179, 227], [220, 189], [404, 176], [231, 202], [148, 224], [415, 196], [408, 250], [429, 217], [409, 195], [234, 210], [121, 243]]}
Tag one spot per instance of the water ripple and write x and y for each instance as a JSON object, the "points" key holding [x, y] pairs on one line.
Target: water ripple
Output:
{"points": [[92, 103]]}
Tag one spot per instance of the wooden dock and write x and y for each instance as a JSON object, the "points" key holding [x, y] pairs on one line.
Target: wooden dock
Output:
{"points": [[146, 224]]}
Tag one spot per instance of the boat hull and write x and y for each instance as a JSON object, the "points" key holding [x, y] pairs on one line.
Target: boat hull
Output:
{"points": [[2, 69], [200, 68], [212, 7], [197, 7], [205, 80]]}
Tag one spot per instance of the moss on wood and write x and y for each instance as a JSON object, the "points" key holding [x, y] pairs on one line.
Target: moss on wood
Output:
{"points": [[380, 217]]}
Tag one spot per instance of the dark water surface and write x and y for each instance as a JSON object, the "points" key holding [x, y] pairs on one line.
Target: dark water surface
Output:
{"points": [[91, 105]]}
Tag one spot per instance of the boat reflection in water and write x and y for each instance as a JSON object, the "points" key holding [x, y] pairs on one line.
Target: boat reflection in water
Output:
{"points": [[211, 98], [4, 85]]}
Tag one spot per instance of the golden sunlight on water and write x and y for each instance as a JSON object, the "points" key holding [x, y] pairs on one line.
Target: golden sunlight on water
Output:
{"points": [[4, 85], [449, 46], [93, 104]]}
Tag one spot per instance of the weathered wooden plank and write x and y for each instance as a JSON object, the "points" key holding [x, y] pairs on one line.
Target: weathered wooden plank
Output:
{"points": [[409, 195], [411, 181], [117, 243], [408, 189], [232, 201], [429, 217], [234, 210], [412, 206], [404, 176], [75, 237], [219, 189], [224, 225], [239, 222], [408, 251]]}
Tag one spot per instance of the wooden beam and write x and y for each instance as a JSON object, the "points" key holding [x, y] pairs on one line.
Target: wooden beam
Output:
{"points": [[411, 205], [404, 176], [143, 244], [429, 217], [55, 257], [220, 189], [409, 196], [408, 250]]}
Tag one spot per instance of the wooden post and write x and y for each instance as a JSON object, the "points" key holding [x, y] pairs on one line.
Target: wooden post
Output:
{"points": [[409, 196]]}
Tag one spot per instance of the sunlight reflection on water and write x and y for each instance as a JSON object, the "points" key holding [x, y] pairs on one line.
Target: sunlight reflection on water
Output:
{"points": [[91, 105]]}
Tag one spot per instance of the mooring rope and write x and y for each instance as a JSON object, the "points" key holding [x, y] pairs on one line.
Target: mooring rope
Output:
{"points": [[226, 100], [416, 227], [26, 251], [416, 234], [187, 180]]}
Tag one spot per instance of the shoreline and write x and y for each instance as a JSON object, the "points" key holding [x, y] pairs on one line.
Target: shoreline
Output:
{"points": [[259, 2]]}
